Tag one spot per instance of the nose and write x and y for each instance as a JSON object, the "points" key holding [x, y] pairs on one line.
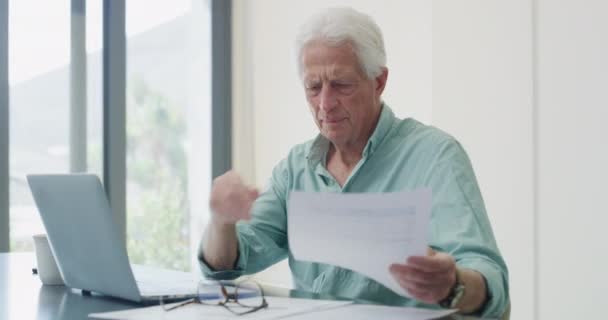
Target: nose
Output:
{"points": [[327, 99]]}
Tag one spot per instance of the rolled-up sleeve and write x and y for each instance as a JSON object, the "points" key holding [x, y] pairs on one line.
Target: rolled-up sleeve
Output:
{"points": [[460, 225], [262, 241]]}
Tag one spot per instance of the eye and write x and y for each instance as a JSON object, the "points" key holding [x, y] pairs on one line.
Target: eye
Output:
{"points": [[344, 87], [313, 89]]}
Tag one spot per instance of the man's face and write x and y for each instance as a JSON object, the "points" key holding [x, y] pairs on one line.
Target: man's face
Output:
{"points": [[344, 103]]}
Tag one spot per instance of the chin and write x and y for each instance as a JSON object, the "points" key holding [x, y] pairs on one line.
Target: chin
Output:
{"points": [[334, 137]]}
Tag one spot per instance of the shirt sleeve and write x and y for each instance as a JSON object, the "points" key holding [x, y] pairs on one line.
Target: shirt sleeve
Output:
{"points": [[263, 239], [460, 224]]}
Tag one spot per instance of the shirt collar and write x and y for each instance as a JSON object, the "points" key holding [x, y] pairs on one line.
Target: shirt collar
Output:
{"points": [[385, 123], [318, 149]]}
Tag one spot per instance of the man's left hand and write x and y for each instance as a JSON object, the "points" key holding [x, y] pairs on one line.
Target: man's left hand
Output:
{"points": [[429, 278]]}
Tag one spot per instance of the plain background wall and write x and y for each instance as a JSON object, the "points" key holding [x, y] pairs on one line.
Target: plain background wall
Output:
{"points": [[520, 83], [572, 75], [482, 94]]}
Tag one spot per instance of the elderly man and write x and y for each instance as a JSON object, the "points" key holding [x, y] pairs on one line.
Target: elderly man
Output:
{"points": [[362, 147]]}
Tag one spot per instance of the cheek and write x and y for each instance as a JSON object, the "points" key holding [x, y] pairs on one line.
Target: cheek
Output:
{"points": [[314, 111], [312, 103], [312, 107], [358, 111]]}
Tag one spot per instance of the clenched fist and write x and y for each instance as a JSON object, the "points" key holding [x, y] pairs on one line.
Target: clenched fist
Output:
{"points": [[231, 199]]}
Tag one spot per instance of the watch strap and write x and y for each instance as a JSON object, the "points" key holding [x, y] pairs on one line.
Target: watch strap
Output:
{"points": [[455, 295]]}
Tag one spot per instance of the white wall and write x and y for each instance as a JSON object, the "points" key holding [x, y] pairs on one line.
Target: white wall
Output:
{"points": [[482, 94], [572, 97], [530, 120]]}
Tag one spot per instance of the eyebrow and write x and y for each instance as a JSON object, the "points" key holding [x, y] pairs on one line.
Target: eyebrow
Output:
{"points": [[345, 77]]}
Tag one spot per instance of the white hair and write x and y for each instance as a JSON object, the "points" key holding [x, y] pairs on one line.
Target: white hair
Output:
{"points": [[337, 26]]}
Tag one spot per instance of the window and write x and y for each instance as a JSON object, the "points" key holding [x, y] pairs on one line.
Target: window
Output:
{"points": [[41, 114], [168, 107], [168, 129], [39, 57]]}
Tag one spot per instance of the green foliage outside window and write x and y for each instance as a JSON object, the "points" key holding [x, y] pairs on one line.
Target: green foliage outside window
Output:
{"points": [[157, 214]]}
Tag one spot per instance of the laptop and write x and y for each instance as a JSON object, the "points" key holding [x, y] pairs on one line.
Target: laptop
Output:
{"points": [[86, 243]]}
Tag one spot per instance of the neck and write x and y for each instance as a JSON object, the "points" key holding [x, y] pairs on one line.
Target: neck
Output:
{"points": [[348, 156]]}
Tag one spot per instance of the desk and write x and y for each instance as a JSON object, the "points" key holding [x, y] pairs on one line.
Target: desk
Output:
{"points": [[22, 295]]}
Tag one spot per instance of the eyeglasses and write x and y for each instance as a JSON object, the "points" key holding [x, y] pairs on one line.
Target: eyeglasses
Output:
{"points": [[240, 298]]}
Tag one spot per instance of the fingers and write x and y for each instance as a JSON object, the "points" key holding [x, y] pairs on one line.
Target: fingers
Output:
{"points": [[409, 274], [429, 278], [425, 296], [253, 193], [437, 262], [427, 288], [231, 200]]}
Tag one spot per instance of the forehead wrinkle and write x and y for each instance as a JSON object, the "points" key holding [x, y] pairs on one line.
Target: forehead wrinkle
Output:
{"points": [[330, 72], [318, 62]]}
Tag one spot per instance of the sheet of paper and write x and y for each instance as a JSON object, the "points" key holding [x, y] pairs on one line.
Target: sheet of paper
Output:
{"points": [[364, 232], [278, 307], [365, 312]]}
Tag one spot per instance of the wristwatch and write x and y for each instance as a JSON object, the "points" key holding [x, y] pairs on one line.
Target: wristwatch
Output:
{"points": [[455, 295]]}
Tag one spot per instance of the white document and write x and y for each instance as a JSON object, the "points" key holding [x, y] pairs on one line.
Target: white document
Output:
{"points": [[364, 232], [278, 307], [366, 312]]}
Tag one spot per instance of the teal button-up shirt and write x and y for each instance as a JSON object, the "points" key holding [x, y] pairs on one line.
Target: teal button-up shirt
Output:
{"points": [[400, 155]]}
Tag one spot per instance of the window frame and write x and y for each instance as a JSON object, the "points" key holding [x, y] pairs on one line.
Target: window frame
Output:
{"points": [[4, 130], [114, 104]]}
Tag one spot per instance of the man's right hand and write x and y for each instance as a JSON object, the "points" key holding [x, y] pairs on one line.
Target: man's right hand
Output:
{"points": [[231, 199]]}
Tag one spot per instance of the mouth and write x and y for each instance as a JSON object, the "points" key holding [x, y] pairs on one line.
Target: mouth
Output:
{"points": [[333, 121]]}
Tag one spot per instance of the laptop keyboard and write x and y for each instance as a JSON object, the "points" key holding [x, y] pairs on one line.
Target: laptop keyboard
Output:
{"points": [[161, 282], [152, 289]]}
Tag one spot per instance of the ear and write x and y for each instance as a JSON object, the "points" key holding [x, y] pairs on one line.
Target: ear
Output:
{"points": [[381, 82]]}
